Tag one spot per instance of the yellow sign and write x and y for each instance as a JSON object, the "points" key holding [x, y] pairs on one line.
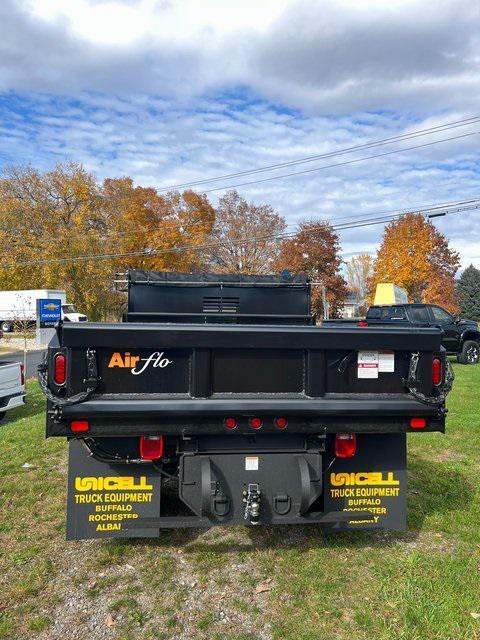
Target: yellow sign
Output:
{"points": [[112, 483], [389, 293], [363, 478]]}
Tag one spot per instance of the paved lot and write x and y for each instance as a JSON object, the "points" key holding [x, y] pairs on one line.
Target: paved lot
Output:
{"points": [[33, 360]]}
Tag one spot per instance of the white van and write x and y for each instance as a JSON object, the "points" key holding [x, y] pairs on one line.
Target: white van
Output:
{"points": [[22, 305]]}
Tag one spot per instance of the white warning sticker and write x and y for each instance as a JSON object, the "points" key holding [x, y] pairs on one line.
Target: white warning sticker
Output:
{"points": [[367, 364], [386, 361], [251, 463]]}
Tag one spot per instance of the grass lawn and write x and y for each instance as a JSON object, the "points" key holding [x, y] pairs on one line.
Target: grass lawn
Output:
{"points": [[423, 584]]}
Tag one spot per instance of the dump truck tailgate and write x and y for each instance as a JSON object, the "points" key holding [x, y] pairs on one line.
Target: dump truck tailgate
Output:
{"points": [[188, 378]]}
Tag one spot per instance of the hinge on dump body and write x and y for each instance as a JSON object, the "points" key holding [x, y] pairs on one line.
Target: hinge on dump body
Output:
{"points": [[91, 382], [412, 383]]}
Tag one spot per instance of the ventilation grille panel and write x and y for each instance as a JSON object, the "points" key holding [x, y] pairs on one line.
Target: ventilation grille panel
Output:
{"points": [[220, 304]]}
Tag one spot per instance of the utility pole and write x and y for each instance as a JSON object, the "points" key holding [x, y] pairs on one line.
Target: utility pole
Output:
{"points": [[324, 303]]}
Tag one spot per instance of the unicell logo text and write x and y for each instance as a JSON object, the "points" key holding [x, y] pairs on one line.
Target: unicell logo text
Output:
{"points": [[137, 364]]}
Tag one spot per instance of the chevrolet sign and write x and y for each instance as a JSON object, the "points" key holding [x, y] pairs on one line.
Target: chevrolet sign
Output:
{"points": [[49, 312]]}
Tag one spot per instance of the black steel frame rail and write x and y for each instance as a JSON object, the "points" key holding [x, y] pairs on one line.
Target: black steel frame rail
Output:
{"points": [[317, 517]]}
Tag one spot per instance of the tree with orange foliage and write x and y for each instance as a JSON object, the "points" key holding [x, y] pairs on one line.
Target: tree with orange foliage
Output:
{"points": [[47, 219], [315, 250], [140, 219], [416, 256], [64, 230]]}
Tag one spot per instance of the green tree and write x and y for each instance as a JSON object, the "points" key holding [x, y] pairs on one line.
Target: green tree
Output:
{"points": [[468, 292]]}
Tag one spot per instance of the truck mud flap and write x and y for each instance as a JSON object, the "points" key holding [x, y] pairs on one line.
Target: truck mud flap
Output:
{"points": [[104, 498], [373, 481], [238, 488]]}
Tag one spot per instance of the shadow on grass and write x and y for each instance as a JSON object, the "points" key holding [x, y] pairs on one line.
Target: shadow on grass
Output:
{"points": [[432, 488]]}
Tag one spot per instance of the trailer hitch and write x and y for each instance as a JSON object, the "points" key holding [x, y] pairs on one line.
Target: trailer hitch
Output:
{"points": [[251, 498]]}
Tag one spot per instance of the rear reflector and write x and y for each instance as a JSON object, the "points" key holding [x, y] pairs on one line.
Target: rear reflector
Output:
{"points": [[345, 445], [418, 423], [230, 423], [59, 369], [22, 374], [256, 423], [281, 423], [362, 323], [436, 371], [151, 447], [79, 425]]}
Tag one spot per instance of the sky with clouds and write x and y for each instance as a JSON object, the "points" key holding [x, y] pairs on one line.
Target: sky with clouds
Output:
{"points": [[170, 91]]}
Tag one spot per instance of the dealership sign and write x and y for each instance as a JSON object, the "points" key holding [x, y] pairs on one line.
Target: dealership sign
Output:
{"points": [[49, 311]]}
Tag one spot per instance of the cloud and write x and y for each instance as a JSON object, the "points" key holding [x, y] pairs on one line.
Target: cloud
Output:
{"points": [[344, 55], [169, 92], [160, 143], [333, 56]]}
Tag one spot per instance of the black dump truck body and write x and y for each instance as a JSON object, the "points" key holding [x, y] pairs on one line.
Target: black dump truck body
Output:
{"points": [[219, 401]]}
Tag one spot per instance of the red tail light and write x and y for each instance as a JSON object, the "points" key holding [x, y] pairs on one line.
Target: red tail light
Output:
{"points": [[60, 369], [256, 423], [362, 323], [281, 423], [436, 371], [418, 423], [78, 426], [22, 374], [345, 445], [151, 447], [230, 423]]}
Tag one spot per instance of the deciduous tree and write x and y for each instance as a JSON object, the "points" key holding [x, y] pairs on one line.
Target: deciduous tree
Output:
{"points": [[416, 256], [245, 236], [359, 274], [52, 224], [47, 219], [315, 250], [141, 220]]}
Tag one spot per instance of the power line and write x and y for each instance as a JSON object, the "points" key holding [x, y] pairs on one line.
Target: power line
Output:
{"points": [[417, 208], [153, 252], [414, 208], [346, 150], [341, 164]]}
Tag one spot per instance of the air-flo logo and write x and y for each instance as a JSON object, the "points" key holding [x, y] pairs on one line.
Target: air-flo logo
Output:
{"points": [[137, 364]]}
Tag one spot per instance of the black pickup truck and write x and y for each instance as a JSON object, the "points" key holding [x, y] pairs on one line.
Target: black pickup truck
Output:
{"points": [[459, 337], [218, 400]]}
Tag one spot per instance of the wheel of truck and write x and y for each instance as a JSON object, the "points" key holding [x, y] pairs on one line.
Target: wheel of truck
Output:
{"points": [[2, 415], [6, 326], [470, 353]]}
